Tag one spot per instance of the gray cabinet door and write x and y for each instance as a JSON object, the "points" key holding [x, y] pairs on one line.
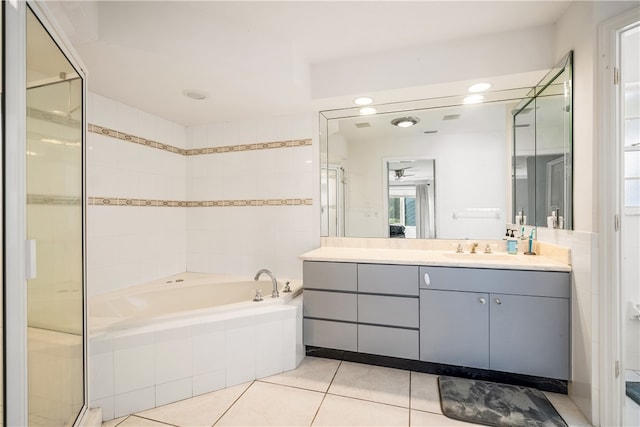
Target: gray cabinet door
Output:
{"points": [[330, 305], [454, 328], [390, 311], [530, 335], [394, 342], [388, 279], [329, 334], [339, 276]]}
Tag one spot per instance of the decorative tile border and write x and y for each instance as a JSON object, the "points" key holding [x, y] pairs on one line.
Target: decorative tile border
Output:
{"points": [[53, 200], [135, 139], [114, 201], [197, 151]]}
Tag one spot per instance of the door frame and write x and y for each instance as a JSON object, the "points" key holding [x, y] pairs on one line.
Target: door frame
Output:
{"points": [[15, 196], [611, 375]]}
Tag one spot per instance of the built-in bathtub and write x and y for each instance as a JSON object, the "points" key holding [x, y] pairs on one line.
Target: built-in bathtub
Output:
{"points": [[186, 335]]}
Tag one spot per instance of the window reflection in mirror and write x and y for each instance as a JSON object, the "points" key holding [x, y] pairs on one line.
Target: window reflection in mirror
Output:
{"points": [[411, 198]]}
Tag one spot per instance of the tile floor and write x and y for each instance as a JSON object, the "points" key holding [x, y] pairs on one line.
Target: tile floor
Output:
{"points": [[322, 392]]}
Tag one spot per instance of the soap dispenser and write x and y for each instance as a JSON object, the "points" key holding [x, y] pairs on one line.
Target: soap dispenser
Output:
{"points": [[512, 244]]}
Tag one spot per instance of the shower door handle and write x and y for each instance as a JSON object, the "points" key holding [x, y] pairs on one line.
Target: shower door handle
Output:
{"points": [[30, 259]]}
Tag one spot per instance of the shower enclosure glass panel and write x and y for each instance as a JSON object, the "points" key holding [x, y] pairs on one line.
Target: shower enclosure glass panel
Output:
{"points": [[1, 218], [55, 316]]}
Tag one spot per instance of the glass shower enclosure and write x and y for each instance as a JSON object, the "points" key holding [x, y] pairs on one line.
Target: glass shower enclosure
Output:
{"points": [[54, 218]]}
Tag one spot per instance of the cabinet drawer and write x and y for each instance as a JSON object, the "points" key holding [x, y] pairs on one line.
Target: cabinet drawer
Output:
{"points": [[330, 275], [392, 342], [328, 334], [391, 311], [330, 305], [518, 282], [388, 279]]}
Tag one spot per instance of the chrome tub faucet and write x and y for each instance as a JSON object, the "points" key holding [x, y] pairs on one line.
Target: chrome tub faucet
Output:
{"points": [[274, 293]]}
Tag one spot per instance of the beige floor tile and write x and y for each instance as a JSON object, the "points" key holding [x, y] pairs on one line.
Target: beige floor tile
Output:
{"points": [[134, 421], [419, 418], [312, 374], [114, 422], [375, 383], [345, 411], [567, 409], [265, 404], [203, 410], [425, 395]]}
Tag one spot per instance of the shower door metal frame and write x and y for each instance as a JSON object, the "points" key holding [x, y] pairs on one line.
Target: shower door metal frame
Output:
{"points": [[15, 197]]}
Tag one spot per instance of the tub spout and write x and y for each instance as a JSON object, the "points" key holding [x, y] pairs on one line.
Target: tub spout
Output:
{"points": [[275, 293]]}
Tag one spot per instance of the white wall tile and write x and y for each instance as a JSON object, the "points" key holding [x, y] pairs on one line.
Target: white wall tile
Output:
{"points": [[174, 357], [104, 112], [107, 406], [174, 391], [209, 352], [269, 353], [134, 365], [134, 401], [208, 382], [240, 355]]}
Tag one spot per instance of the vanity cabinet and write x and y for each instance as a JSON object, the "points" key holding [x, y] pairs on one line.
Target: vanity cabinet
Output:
{"points": [[505, 320], [369, 308]]}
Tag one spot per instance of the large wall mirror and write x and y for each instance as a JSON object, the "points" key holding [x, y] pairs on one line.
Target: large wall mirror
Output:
{"points": [[448, 175], [542, 146]]}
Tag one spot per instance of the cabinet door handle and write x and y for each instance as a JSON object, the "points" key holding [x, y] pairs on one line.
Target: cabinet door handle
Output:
{"points": [[482, 300], [427, 279], [498, 301]]}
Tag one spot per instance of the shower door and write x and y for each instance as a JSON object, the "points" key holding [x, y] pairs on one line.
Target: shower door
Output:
{"points": [[55, 317]]}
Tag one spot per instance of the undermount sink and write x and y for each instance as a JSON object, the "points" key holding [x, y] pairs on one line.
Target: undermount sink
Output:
{"points": [[480, 256]]}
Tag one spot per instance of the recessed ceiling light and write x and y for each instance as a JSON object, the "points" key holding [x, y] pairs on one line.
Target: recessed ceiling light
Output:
{"points": [[473, 99], [365, 111], [195, 94], [405, 122], [363, 100], [479, 87]]}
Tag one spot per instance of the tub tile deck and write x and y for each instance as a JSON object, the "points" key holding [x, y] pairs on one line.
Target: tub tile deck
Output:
{"points": [[322, 392]]}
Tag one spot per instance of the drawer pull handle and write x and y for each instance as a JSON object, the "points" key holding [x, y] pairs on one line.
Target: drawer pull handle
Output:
{"points": [[498, 301], [427, 279], [482, 300]]}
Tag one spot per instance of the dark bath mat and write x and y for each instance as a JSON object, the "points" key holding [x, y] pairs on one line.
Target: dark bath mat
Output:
{"points": [[499, 405], [633, 391]]}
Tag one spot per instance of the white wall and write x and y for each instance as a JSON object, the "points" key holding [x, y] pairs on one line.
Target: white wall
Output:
{"points": [[128, 245], [244, 239], [454, 60], [577, 31]]}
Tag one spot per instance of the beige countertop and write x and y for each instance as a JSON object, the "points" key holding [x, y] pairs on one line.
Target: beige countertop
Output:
{"points": [[443, 258]]}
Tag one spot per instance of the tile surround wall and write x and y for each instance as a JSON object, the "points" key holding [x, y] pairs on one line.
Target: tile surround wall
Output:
{"points": [[241, 240], [139, 165]]}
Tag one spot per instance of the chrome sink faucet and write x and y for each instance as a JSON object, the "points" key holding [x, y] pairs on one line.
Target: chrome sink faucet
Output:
{"points": [[274, 293]]}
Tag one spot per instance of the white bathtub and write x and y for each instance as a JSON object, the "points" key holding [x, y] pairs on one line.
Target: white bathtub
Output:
{"points": [[186, 335]]}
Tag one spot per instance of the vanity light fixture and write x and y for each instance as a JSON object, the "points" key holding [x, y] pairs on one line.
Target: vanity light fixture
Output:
{"points": [[363, 100], [366, 111], [473, 99], [479, 87], [405, 122]]}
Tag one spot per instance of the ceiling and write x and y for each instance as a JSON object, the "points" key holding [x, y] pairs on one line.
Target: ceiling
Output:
{"points": [[253, 59]]}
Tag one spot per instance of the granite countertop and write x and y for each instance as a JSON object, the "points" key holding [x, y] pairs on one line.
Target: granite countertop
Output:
{"points": [[497, 260]]}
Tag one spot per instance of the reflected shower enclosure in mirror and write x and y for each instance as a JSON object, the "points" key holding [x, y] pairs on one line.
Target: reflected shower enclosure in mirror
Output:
{"points": [[543, 152], [373, 181]]}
